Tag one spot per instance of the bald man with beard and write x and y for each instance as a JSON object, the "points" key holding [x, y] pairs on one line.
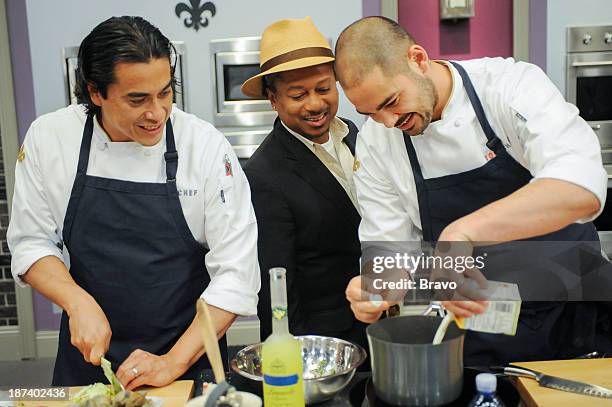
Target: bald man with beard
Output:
{"points": [[485, 150]]}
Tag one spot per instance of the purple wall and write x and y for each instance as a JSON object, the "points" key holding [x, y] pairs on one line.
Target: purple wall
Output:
{"points": [[488, 33], [537, 32], [44, 318], [370, 8], [22, 67], [16, 13]]}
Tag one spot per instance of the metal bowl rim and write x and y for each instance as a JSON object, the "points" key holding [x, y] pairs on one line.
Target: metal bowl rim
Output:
{"points": [[359, 362]]}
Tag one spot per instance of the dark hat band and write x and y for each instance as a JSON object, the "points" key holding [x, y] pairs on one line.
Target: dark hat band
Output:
{"points": [[296, 54]]}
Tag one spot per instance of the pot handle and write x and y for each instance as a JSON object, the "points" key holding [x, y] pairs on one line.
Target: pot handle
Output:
{"points": [[435, 306]]}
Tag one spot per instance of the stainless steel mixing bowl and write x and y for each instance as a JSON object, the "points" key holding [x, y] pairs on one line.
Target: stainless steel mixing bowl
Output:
{"points": [[329, 365]]}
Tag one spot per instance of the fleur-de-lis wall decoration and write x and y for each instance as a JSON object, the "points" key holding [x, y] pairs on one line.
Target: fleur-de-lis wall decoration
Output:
{"points": [[195, 10]]}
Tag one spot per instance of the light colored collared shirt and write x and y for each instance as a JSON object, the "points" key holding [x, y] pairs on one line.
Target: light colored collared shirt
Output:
{"points": [[335, 155]]}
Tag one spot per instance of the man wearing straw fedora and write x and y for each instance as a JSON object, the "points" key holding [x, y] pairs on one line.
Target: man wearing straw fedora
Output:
{"points": [[302, 186]]}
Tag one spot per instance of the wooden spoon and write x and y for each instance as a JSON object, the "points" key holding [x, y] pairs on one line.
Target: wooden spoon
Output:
{"points": [[439, 336], [211, 344], [225, 393]]}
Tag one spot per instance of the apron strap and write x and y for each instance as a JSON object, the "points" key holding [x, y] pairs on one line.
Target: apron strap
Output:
{"points": [[414, 160], [85, 146], [494, 143], [170, 156], [419, 181], [79, 180]]}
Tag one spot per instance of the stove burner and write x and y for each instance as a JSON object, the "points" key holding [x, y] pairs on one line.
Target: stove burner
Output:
{"points": [[363, 394], [370, 397]]}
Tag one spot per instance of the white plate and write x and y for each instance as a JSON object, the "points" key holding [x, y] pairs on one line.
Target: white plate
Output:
{"points": [[248, 399], [155, 401]]}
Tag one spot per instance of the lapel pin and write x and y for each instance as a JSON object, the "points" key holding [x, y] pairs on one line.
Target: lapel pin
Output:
{"points": [[228, 166], [21, 154]]}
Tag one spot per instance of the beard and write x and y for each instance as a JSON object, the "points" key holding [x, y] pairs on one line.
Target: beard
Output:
{"points": [[427, 100]]}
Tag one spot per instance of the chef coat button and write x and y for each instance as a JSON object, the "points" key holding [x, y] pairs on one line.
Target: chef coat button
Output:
{"points": [[457, 123], [103, 146]]}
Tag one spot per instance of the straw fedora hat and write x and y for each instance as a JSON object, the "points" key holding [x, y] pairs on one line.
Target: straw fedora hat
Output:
{"points": [[286, 45]]}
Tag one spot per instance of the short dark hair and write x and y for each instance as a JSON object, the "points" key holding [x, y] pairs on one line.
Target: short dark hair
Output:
{"points": [[369, 42], [267, 82], [119, 39]]}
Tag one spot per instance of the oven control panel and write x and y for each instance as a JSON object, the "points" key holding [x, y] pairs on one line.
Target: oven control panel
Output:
{"points": [[589, 39]]}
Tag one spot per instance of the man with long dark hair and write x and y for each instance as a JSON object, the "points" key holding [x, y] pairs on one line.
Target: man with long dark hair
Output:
{"points": [[126, 211]]}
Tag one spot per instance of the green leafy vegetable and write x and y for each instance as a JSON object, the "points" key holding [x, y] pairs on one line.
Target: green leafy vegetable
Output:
{"points": [[90, 392], [110, 375]]}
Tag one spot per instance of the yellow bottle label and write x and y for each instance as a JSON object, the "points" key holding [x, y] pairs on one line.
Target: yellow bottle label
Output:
{"points": [[279, 313], [282, 369]]}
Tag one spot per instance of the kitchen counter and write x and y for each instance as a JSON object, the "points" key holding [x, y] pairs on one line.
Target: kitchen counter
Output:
{"points": [[175, 394], [592, 371], [341, 399], [353, 394]]}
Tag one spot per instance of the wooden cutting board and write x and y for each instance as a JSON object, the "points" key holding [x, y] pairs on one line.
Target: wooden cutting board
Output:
{"points": [[175, 395], [591, 371]]}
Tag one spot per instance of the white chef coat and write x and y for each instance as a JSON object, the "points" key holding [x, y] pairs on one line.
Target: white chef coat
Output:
{"points": [[216, 204], [538, 127]]}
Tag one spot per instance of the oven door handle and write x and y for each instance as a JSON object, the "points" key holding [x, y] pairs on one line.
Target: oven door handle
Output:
{"points": [[592, 63]]}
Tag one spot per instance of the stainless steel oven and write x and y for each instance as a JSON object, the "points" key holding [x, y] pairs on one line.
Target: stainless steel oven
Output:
{"points": [[70, 61], [244, 120], [589, 87], [245, 140], [589, 77], [234, 61]]}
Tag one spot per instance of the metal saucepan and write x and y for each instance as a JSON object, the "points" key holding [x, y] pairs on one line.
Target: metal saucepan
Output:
{"points": [[407, 370]]}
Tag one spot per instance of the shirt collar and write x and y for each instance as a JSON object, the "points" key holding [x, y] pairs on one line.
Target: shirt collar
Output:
{"points": [[338, 130], [103, 138], [457, 85]]}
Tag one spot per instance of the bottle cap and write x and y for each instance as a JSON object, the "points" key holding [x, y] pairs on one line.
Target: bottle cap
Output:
{"points": [[486, 382]]}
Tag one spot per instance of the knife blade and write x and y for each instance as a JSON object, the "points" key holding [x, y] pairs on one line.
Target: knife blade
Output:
{"points": [[560, 383], [575, 387]]}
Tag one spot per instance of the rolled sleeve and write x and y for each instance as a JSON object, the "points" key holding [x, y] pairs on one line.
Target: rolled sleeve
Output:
{"points": [[231, 234], [27, 252], [590, 177], [231, 294], [556, 142]]}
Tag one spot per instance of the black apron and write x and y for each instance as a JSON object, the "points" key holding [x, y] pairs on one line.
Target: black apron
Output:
{"points": [[546, 330], [132, 250]]}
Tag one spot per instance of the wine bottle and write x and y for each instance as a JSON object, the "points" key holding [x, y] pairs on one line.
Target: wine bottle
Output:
{"points": [[281, 354]]}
